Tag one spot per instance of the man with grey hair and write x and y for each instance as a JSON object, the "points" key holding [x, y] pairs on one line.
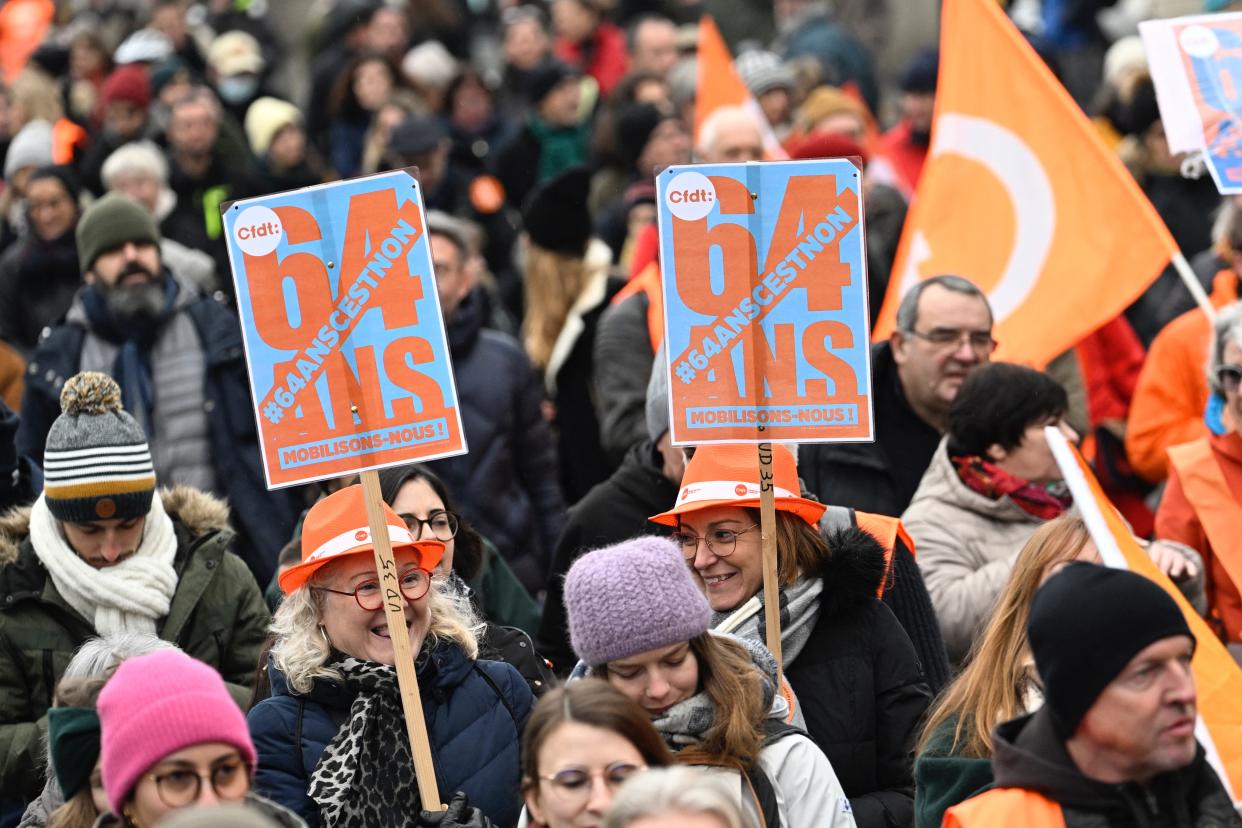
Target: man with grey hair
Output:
{"points": [[730, 135], [943, 332]]}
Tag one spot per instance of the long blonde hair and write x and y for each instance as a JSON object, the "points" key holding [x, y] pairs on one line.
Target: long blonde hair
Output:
{"points": [[301, 651], [992, 687], [553, 283]]}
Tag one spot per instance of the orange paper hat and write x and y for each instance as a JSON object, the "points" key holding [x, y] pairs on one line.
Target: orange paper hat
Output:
{"points": [[337, 526], [727, 474]]}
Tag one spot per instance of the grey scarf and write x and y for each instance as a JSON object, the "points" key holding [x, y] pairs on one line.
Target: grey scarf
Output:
{"points": [[799, 611]]}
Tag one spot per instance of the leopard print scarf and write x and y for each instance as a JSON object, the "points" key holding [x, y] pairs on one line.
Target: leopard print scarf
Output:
{"points": [[365, 776]]}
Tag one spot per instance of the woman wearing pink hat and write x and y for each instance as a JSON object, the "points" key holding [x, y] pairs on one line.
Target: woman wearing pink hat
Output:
{"points": [[856, 675], [172, 738], [331, 739]]}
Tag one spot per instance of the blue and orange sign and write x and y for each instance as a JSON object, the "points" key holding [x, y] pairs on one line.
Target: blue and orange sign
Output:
{"points": [[349, 366], [765, 296]]}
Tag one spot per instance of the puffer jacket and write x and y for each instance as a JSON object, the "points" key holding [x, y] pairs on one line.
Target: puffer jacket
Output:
{"points": [[967, 544], [217, 616], [475, 712], [508, 485], [860, 686]]}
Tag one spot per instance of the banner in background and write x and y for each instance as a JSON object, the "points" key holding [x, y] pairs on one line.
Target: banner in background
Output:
{"points": [[345, 345], [765, 295]]}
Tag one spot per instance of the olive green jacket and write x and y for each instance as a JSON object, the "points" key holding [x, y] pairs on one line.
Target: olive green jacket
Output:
{"points": [[217, 616]]}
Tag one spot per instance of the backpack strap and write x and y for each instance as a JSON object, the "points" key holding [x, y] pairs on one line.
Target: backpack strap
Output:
{"points": [[776, 729], [500, 695]]}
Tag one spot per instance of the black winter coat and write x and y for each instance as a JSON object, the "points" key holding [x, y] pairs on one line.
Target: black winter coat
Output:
{"points": [[38, 280], [507, 485], [879, 477], [1029, 755], [613, 511], [860, 687], [264, 519]]}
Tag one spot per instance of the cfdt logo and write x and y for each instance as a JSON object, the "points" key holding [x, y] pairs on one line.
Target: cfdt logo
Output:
{"points": [[690, 196], [258, 230]]}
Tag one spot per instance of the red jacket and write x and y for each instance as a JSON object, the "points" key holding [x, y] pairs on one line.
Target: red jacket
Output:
{"points": [[905, 156], [603, 56]]}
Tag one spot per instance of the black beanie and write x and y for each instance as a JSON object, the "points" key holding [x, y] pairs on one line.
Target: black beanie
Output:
{"points": [[635, 124], [545, 77], [1086, 623], [556, 215]]}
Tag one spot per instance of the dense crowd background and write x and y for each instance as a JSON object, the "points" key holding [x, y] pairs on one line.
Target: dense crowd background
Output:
{"points": [[922, 660]]}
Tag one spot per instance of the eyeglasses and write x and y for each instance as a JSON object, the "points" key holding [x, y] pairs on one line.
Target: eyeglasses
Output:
{"points": [[443, 525], [981, 342], [721, 542], [178, 788], [1229, 377], [370, 596], [573, 785]]}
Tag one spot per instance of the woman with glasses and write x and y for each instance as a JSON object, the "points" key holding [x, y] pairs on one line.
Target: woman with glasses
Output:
{"points": [[848, 660], [422, 500], [1201, 507], [639, 621], [583, 741], [171, 737], [331, 739]]}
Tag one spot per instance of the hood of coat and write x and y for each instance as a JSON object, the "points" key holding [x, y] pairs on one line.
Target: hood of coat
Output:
{"points": [[942, 485], [1028, 754], [197, 511], [853, 572]]}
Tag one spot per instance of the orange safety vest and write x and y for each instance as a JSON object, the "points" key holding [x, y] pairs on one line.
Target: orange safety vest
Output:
{"points": [[1209, 495], [647, 281], [1008, 807]]}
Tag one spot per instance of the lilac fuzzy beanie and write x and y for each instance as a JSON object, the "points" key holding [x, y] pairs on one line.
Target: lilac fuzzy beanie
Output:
{"points": [[633, 597]]}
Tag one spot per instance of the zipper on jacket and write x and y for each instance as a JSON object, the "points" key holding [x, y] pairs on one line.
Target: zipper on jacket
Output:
{"points": [[49, 677]]}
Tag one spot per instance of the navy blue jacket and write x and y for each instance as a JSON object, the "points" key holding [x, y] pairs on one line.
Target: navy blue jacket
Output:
{"points": [[264, 519], [508, 485], [475, 712]]}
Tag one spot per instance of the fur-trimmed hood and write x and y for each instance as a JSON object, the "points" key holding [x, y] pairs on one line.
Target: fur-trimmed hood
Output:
{"points": [[853, 572], [197, 511]]}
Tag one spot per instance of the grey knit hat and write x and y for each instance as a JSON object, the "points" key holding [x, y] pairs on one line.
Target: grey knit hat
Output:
{"points": [[97, 464], [30, 147], [763, 71]]}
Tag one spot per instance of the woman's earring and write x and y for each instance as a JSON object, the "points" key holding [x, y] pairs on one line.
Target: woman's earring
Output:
{"points": [[324, 634]]}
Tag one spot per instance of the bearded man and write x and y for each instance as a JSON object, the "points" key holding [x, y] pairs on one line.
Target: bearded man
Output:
{"points": [[178, 359]]}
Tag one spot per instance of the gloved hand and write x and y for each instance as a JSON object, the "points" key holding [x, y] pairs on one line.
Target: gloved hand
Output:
{"points": [[460, 814]]}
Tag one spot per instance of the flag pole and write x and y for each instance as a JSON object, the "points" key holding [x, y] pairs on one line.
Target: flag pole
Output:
{"points": [[1192, 284]]}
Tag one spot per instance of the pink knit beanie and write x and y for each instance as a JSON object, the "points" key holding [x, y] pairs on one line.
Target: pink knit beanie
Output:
{"points": [[158, 704], [630, 598]]}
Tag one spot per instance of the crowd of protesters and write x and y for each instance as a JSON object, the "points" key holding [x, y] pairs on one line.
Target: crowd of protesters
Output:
{"points": [[584, 599]]}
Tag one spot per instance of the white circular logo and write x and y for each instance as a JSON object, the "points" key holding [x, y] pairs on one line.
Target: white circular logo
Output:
{"points": [[1199, 41], [257, 230], [690, 196]]}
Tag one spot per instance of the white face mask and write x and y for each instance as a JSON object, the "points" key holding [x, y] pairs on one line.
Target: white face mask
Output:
{"points": [[236, 89]]}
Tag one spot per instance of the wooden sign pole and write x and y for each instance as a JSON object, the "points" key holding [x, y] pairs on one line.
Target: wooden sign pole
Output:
{"points": [[771, 587], [411, 702]]}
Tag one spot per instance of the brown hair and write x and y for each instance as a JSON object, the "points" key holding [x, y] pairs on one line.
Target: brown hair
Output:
{"points": [[800, 548], [553, 283], [728, 676], [992, 687], [598, 704]]}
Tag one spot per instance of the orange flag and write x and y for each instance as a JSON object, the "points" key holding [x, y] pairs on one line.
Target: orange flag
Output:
{"points": [[1218, 678], [1020, 196], [719, 85]]}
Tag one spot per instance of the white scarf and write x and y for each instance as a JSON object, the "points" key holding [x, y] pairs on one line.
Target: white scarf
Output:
{"points": [[127, 597]]}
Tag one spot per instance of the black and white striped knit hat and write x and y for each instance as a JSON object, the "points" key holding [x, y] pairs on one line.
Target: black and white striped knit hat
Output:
{"points": [[97, 464]]}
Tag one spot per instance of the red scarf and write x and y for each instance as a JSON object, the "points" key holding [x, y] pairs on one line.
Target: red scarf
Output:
{"points": [[991, 481]]}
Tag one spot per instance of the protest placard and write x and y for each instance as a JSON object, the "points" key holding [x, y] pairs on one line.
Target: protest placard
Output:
{"points": [[765, 294], [1196, 67], [349, 366]]}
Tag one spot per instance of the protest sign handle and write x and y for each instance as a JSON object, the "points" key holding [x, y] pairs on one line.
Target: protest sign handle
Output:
{"points": [[767, 528], [394, 610], [1192, 284]]}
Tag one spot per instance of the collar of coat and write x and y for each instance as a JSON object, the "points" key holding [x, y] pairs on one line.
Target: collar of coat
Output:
{"points": [[197, 511]]}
